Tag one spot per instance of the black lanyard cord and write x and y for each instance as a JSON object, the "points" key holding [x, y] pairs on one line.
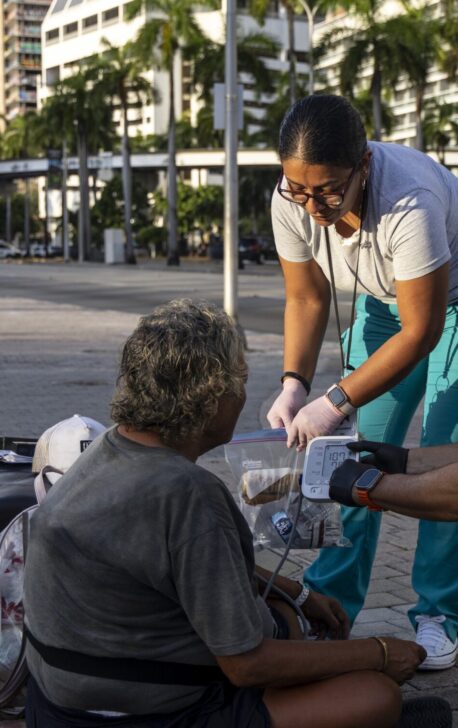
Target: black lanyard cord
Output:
{"points": [[346, 365]]}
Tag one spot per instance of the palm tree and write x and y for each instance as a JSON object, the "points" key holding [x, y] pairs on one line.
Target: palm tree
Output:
{"points": [[169, 27], [377, 43], [82, 107], [21, 140], [311, 8], [208, 68], [119, 75], [259, 9], [440, 126], [448, 53], [363, 103], [419, 48]]}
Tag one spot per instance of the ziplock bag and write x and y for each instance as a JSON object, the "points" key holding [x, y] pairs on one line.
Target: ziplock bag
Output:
{"points": [[269, 476]]}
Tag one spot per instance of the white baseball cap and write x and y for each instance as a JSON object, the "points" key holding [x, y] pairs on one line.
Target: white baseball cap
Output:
{"points": [[60, 445]]}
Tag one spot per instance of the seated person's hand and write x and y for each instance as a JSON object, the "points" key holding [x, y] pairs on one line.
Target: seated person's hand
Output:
{"points": [[403, 658], [389, 458], [326, 617]]}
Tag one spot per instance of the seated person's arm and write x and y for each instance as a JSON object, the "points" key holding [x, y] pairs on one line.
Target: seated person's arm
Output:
{"points": [[280, 663], [324, 613]]}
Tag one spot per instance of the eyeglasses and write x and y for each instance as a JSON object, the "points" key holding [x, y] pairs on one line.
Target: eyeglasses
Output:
{"points": [[331, 199]]}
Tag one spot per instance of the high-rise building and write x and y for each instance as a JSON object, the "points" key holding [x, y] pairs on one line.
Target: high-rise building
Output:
{"points": [[20, 64], [74, 29]]}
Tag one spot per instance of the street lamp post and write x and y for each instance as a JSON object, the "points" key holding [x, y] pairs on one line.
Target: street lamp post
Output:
{"points": [[310, 12], [230, 165]]}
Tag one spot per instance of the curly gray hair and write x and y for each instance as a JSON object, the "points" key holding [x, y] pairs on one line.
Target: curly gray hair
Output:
{"points": [[175, 367]]}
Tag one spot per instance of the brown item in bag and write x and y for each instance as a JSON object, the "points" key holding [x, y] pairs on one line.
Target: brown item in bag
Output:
{"points": [[266, 485]]}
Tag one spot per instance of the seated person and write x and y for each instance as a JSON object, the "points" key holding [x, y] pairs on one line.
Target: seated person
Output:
{"points": [[140, 592]]}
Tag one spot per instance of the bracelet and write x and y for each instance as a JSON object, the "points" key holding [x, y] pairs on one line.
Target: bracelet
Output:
{"points": [[384, 647], [295, 375], [303, 595]]}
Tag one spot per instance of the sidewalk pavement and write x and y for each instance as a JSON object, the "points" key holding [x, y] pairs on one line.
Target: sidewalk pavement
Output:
{"points": [[58, 361]]}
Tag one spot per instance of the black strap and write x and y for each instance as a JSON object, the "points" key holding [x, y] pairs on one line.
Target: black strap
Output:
{"points": [[127, 669], [346, 365]]}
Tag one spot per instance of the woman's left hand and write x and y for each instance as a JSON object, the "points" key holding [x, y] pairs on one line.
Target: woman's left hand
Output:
{"points": [[319, 417], [326, 617]]}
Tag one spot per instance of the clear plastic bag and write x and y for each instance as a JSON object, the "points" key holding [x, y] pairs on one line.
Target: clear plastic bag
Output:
{"points": [[269, 478]]}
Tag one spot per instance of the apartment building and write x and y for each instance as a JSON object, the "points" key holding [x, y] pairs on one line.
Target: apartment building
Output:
{"points": [[20, 60], [74, 29], [401, 101]]}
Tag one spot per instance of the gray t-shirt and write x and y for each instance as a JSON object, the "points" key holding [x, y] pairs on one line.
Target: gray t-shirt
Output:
{"points": [[137, 552], [410, 228]]}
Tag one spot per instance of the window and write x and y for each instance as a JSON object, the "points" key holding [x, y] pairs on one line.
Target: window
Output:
{"points": [[109, 16], [90, 22], [71, 28], [52, 35], [52, 75]]}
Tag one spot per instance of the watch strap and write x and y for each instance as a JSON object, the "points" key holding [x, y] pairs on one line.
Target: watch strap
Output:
{"points": [[365, 500], [303, 596], [346, 407]]}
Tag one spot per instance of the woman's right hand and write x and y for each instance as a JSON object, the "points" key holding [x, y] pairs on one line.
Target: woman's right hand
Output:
{"points": [[404, 657], [287, 405]]}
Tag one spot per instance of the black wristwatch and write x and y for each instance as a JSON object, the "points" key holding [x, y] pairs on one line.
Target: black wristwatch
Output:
{"points": [[345, 477], [339, 399], [365, 483]]}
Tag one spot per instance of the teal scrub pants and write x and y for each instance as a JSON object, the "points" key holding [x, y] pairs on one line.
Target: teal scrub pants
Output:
{"points": [[345, 572]]}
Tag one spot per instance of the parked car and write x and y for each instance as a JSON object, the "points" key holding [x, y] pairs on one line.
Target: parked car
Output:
{"points": [[37, 250], [55, 250], [8, 250], [250, 249]]}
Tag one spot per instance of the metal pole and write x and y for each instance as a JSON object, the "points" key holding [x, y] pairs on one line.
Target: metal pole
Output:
{"points": [[310, 12], [231, 243]]}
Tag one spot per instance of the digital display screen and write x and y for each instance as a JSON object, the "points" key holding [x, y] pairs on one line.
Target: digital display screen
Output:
{"points": [[334, 455]]}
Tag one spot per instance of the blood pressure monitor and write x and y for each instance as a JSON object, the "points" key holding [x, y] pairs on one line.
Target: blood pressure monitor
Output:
{"points": [[322, 456]]}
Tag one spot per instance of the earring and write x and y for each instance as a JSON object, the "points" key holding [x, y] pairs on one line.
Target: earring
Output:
{"points": [[364, 184]]}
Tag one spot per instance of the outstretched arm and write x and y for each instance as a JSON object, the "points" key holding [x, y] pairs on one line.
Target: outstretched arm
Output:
{"points": [[432, 496]]}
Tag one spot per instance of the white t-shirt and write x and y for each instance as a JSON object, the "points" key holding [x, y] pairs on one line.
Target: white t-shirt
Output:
{"points": [[410, 227]]}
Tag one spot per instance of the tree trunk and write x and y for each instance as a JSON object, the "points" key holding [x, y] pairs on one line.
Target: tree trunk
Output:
{"points": [[172, 191], [46, 221], [127, 184], [419, 141], [376, 91], [8, 234], [27, 217], [84, 221], [65, 241], [292, 56]]}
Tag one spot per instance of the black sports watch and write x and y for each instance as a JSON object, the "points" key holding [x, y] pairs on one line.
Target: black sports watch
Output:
{"points": [[339, 399], [365, 483], [344, 479]]}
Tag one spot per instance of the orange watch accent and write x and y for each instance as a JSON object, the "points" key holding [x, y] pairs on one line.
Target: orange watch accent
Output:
{"points": [[364, 499]]}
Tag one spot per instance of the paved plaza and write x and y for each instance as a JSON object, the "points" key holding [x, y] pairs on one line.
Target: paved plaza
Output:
{"points": [[61, 359]]}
